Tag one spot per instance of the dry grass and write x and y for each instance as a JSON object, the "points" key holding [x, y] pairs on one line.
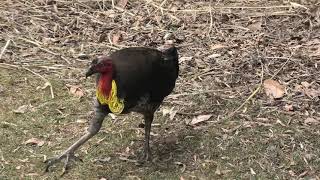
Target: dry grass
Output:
{"points": [[226, 50]]}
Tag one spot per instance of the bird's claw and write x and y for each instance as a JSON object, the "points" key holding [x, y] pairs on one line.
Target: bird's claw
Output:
{"points": [[147, 157], [67, 156]]}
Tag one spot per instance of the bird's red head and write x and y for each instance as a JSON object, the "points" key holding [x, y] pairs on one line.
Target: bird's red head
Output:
{"points": [[101, 64]]}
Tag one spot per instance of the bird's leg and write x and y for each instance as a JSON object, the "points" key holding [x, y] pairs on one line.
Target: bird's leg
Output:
{"points": [[95, 125], [148, 118]]}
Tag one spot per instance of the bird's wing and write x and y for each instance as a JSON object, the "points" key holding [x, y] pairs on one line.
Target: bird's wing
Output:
{"points": [[134, 71]]}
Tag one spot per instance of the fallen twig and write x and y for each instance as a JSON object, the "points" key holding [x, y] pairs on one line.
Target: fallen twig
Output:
{"points": [[284, 64], [44, 49], [4, 48], [47, 82], [253, 94], [174, 96], [196, 113], [211, 19], [218, 7]]}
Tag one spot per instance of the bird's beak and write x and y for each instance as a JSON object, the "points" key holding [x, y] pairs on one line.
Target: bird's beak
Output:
{"points": [[90, 71]]}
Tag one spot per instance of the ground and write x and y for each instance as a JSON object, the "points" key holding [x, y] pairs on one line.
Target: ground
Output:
{"points": [[227, 50]]}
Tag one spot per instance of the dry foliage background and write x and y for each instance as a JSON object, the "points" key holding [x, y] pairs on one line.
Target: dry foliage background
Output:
{"points": [[223, 120]]}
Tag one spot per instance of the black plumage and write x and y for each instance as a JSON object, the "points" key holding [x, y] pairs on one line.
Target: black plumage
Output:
{"points": [[144, 77], [142, 73]]}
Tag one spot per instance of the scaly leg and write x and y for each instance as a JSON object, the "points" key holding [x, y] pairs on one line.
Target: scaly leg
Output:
{"points": [[148, 118], [68, 154]]}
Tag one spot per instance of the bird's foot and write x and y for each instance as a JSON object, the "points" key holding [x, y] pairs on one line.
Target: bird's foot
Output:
{"points": [[145, 158], [67, 156]]}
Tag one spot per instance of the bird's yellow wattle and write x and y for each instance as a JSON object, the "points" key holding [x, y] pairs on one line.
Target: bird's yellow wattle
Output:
{"points": [[115, 104]]}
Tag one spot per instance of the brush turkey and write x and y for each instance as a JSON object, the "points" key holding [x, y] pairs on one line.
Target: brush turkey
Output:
{"points": [[135, 79]]}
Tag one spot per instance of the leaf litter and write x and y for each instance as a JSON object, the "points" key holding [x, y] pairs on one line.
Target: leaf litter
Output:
{"points": [[241, 37]]}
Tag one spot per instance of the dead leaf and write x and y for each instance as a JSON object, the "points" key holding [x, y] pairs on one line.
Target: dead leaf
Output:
{"points": [[255, 26], [127, 159], [316, 53], [76, 90], [81, 121], [310, 120], [23, 109], [103, 160], [200, 118], [165, 111], [252, 171], [83, 56], [214, 56], [116, 38], [292, 162], [312, 93], [299, 88], [183, 166], [169, 43], [122, 3], [217, 46], [167, 36], [305, 88], [172, 113], [32, 174], [292, 173], [24, 160], [113, 116], [288, 107], [296, 5], [218, 171], [182, 59], [313, 42], [171, 139], [273, 89], [305, 84], [226, 171], [280, 122], [200, 63], [34, 141]]}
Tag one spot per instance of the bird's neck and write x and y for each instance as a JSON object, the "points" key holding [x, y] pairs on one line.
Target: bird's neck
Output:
{"points": [[105, 84]]}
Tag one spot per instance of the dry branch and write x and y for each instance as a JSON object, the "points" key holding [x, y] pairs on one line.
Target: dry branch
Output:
{"points": [[44, 49], [4, 48], [250, 97]]}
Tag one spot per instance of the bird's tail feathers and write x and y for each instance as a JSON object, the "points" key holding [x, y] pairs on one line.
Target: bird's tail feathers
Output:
{"points": [[171, 58], [171, 54]]}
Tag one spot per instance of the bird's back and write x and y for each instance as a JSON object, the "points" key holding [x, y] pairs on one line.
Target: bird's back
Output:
{"points": [[145, 73]]}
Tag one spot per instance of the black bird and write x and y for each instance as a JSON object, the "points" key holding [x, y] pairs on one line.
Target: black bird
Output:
{"points": [[135, 79]]}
